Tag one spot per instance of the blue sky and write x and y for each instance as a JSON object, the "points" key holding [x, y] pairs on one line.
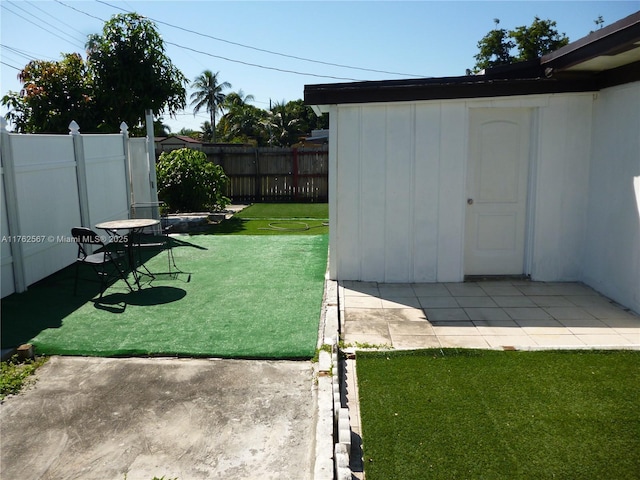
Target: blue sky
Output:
{"points": [[421, 38]]}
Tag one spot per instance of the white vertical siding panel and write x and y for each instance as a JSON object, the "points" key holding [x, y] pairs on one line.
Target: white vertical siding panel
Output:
{"points": [[373, 193], [612, 260], [333, 193], [561, 188], [348, 193], [399, 201], [426, 191], [452, 201]]}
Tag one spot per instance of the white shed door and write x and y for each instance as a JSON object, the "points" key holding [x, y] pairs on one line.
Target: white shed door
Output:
{"points": [[496, 191]]}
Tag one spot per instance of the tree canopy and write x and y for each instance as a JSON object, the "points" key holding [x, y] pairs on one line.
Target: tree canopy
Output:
{"points": [[497, 46], [126, 73]]}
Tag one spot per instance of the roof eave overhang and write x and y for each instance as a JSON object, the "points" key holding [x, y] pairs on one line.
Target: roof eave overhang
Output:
{"points": [[456, 88]]}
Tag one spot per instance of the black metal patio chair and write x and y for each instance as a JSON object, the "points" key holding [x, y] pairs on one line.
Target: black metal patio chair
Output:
{"points": [[107, 263]]}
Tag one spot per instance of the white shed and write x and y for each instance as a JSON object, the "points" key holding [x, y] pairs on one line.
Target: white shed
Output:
{"points": [[530, 169]]}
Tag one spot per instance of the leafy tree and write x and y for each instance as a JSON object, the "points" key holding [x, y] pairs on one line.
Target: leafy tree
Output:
{"points": [[534, 41], [188, 182], [494, 48], [540, 38], [126, 72], [208, 95], [132, 72], [53, 94]]}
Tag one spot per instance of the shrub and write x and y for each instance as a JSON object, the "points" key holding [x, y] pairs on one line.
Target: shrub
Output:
{"points": [[188, 182]]}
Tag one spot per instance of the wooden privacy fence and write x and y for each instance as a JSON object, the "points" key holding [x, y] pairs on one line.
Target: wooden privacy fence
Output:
{"points": [[270, 174]]}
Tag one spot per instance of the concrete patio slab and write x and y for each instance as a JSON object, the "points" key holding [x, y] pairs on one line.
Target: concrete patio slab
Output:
{"points": [[135, 418]]}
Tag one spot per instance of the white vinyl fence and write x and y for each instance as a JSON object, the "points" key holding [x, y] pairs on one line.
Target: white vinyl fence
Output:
{"points": [[52, 183]]}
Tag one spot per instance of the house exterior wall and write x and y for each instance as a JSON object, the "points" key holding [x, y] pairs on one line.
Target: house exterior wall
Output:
{"points": [[560, 188], [612, 250], [398, 188]]}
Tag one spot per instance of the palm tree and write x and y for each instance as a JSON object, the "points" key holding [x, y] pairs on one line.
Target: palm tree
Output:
{"points": [[237, 99], [209, 95]]}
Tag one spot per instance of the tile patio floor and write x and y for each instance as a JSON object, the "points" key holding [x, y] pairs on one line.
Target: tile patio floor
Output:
{"points": [[506, 314]]}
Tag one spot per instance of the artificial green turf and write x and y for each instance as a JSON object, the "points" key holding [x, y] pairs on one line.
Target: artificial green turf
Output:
{"points": [[248, 297], [447, 414]]}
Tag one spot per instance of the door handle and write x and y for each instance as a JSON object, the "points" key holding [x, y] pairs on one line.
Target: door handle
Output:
{"points": [[469, 201]]}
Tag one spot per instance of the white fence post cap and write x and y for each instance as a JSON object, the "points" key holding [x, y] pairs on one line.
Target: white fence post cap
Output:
{"points": [[124, 128], [3, 124], [74, 128]]}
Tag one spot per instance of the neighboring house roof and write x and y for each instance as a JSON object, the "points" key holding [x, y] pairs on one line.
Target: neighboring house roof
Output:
{"points": [[176, 139], [607, 57]]}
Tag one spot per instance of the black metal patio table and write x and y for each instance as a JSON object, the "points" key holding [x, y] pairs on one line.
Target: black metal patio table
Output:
{"points": [[133, 226]]}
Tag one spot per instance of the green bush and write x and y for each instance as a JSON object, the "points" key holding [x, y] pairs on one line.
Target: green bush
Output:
{"points": [[188, 182]]}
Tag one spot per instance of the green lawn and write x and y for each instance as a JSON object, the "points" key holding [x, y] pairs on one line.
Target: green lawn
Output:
{"points": [[277, 219], [467, 414]]}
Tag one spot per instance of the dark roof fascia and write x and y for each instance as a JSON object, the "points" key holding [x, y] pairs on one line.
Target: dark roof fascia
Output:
{"points": [[619, 76], [448, 88], [605, 41]]}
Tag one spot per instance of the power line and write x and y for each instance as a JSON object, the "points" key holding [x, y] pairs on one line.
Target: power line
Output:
{"points": [[40, 19], [34, 5], [78, 10], [260, 66], [226, 58], [3, 5], [267, 51], [10, 66]]}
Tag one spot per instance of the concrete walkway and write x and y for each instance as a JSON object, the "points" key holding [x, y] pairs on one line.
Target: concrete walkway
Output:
{"points": [[509, 314]]}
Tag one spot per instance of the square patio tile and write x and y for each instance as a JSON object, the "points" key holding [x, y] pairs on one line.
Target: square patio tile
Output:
{"points": [[380, 327], [453, 330], [439, 314], [572, 288], [527, 313], [513, 301], [430, 289], [405, 315], [537, 289], [611, 312], [368, 339], [475, 302], [465, 290], [396, 290], [589, 300], [410, 328], [438, 302], [487, 314], [583, 323], [551, 301], [410, 342], [362, 301], [497, 328], [400, 302], [502, 290], [550, 330], [573, 313]]}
